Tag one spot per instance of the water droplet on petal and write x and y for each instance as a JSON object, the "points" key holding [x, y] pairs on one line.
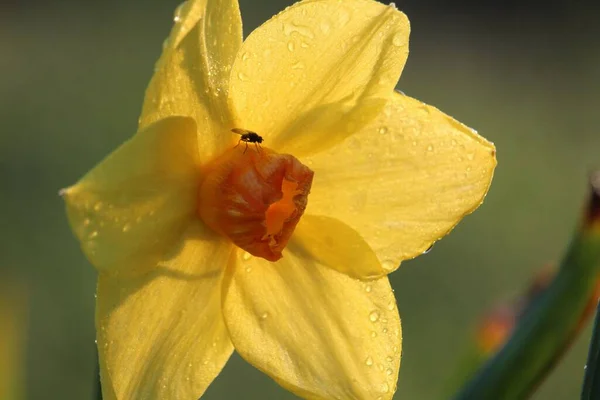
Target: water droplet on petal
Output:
{"points": [[126, 228], [98, 206], [291, 46], [369, 361], [242, 76], [298, 65], [389, 359], [398, 39], [389, 371], [430, 148], [86, 222], [93, 234], [374, 316], [246, 256], [385, 387], [388, 265], [391, 305], [248, 269], [178, 14], [264, 316], [368, 288], [383, 130], [373, 334]]}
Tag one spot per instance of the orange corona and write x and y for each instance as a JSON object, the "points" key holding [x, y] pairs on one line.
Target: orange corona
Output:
{"points": [[255, 198]]}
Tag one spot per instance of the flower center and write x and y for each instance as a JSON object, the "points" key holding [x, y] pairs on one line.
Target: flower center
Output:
{"points": [[255, 197]]}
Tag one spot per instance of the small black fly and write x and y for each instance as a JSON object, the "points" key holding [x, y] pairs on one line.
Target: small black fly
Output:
{"points": [[248, 137]]}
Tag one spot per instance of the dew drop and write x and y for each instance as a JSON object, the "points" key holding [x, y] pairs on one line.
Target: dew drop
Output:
{"points": [[430, 148], [245, 57], [368, 288], [291, 46], [385, 388], [264, 316], [242, 76], [384, 331], [374, 316], [98, 206], [388, 265], [86, 222], [126, 228], [246, 256], [298, 65], [373, 334], [398, 40], [248, 269], [369, 361], [389, 371], [470, 156], [389, 359], [383, 130], [93, 234], [391, 305]]}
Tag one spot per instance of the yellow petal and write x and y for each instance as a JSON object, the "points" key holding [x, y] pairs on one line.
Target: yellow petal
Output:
{"points": [[405, 180], [192, 75], [136, 202], [334, 244], [161, 335], [317, 72], [317, 332]]}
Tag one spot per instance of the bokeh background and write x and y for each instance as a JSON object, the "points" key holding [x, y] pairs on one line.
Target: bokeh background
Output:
{"points": [[72, 79]]}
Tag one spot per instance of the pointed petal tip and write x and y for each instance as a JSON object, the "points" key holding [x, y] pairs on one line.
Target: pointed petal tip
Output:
{"points": [[65, 192]]}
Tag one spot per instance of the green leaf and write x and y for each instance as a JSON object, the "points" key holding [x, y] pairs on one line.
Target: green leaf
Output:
{"points": [[591, 383], [551, 323]]}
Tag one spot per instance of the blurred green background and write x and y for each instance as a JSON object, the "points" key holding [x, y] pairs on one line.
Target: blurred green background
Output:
{"points": [[72, 79]]}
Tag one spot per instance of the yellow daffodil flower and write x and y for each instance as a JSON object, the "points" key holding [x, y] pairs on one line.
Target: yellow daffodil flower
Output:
{"points": [[206, 241]]}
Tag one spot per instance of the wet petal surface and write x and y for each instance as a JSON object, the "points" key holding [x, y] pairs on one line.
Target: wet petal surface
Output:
{"points": [[136, 203], [405, 180], [192, 75], [161, 334], [317, 332], [319, 71]]}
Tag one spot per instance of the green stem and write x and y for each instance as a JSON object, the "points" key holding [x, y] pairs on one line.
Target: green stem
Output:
{"points": [[591, 383], [550, 325], [98, 388]]}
